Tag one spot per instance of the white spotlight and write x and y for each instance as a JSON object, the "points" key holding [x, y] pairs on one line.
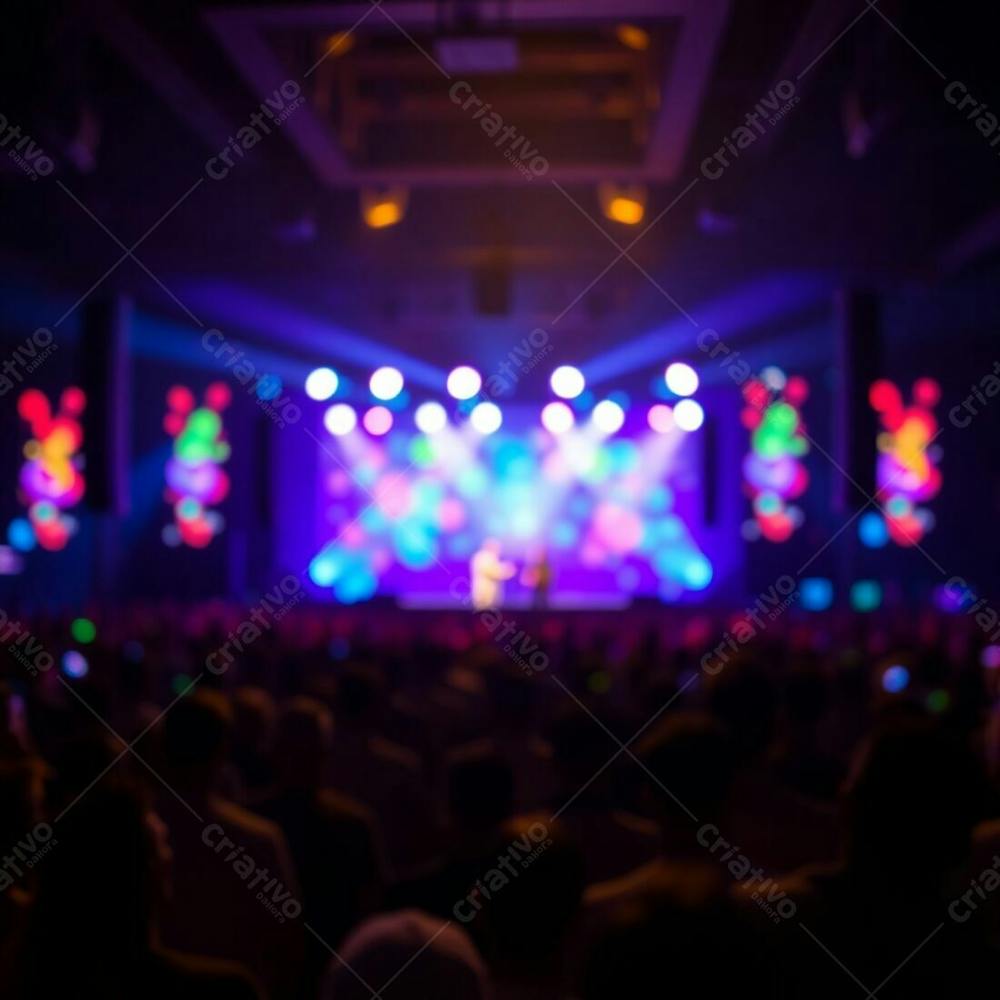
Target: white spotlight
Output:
{"points": [[608, 416], [688, 415], [661, 418], [464, 382], [340, 419], [386, 383], [567, 382], [557, 418], [486, 418], [321, 383], [430, 418], [681, 379]]}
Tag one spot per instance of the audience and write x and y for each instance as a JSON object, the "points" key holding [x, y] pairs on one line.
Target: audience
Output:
{"points": [[419, 957], [612, 839], [384, 775], [333, 839], [339, 815], [93, 930], [232, 871]]}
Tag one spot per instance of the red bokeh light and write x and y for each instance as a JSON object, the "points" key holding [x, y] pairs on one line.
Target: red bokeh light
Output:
{"points": [[33, 407], [927, 392], [180, 399], [884, 396], [73, 401], [796, 390], [218, 396]]}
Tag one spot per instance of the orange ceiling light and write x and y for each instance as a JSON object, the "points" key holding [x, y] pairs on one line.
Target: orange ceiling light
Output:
{"points": [[338, 44], [632, 36], [383, 207], [623, 203]]}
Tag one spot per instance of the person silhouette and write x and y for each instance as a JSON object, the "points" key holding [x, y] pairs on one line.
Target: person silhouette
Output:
{"points": [[489, 572]]}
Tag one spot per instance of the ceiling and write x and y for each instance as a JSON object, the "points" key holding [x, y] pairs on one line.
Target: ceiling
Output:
{"points": [[870, 176]]}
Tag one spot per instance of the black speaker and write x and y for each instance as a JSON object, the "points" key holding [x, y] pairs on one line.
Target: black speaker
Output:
{"points": [[859, 363], [710, 470], [263, 472], [105, 376]]}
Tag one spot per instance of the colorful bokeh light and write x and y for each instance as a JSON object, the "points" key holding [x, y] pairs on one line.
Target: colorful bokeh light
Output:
{"points": [[688, 415], [386, 383], [416, 506], [74, 664], [486, 418], [773, 471], [431, 417], [681, 379], [661, 418], [340, 419], [866, 595], [567, 382], [196, 481], [557, 418], [464, 382], [895, 679], [816, 593], [83, 631], [906, 472], [321, 384], [50, 482], [608, 416], [378, 421]]}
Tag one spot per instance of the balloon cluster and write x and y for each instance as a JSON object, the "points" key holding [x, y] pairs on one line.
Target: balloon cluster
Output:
{"points": [[906, 472], [50, 481], [773, 472], [194, 474]]}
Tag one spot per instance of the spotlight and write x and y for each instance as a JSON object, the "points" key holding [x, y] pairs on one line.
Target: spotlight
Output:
{"points": [[557, 418], [340, 419], [321, 383], [464, 382], [688, 415], [608, 416], [383, 208], [486, 417], [632, 36], [623, 203], [339, 44], [567, 382], [430, 417], [661, 418], [386, 383], [681, 379], [377, 421]]}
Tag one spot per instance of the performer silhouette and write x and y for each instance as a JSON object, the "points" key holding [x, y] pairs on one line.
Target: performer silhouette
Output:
{"points": [[488, 572], [537, 575]]}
